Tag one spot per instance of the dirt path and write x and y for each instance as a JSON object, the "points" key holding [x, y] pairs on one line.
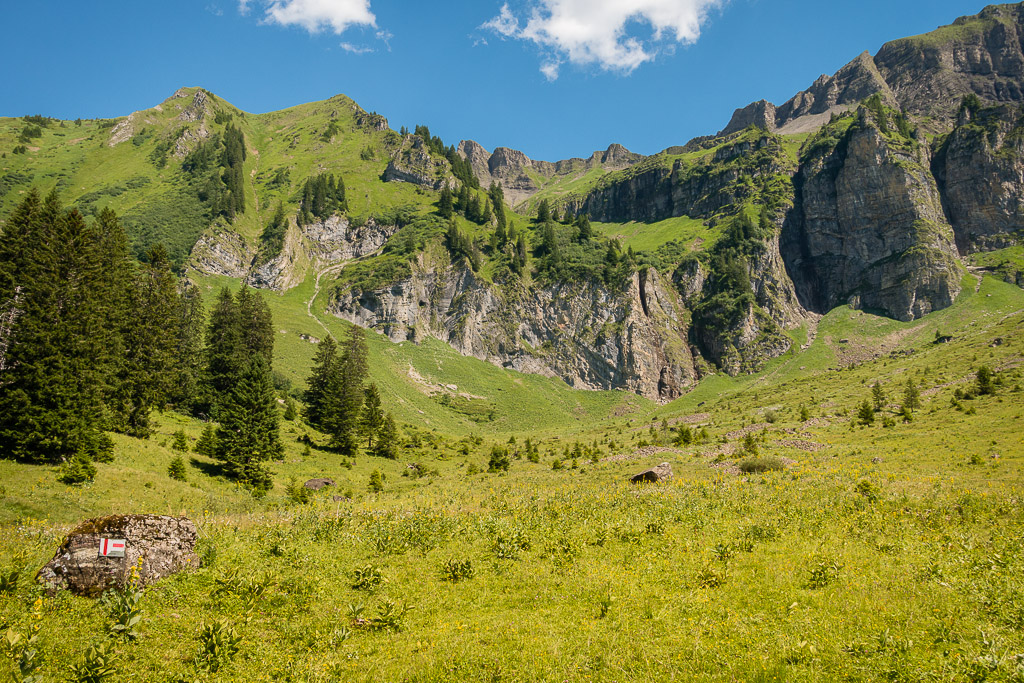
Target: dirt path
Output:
{"points": [[334, 269]]}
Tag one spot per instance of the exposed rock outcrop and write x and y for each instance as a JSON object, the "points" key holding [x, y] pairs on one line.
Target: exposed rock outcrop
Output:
{"points": [[869, 227], [980, 169], [521, 177], [317, 244], [157, 544], [414, 164], [633, 337]]}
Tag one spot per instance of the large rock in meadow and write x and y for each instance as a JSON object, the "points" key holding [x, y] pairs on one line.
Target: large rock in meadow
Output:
{"points": [[164, 545], [662, 472]]}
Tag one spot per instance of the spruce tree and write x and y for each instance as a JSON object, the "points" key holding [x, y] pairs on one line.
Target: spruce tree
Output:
{"points": [[346, 392], [387, 439], [444, 203], [373, 416], [543, 212], [189, 360], [149, 371], [55, 360], [249, 433], [316, 397]]}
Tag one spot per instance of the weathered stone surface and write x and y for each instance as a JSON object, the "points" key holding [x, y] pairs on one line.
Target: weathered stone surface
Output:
{"points": [[165, 545], [662, 472], [980, 170], [317, 484], [869, 228], [633, 337], [196, 110]]}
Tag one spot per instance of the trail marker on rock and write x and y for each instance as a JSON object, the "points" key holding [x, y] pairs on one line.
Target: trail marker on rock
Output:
{"points": [[112, 547]]}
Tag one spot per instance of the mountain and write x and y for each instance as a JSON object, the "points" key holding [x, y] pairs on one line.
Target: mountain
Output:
{"points": [[879, 186]]}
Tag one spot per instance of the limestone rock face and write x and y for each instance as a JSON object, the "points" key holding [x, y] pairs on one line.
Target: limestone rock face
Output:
{"points": [[517, 173], [165, 545], [923, 75], [871, 229], [980, 170], [662, 472], [633, 337], [221, 252]]}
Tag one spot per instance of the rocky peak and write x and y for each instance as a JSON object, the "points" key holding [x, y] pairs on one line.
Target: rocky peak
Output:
{"points": [[196, 109], [506, 161], [760, 114]]}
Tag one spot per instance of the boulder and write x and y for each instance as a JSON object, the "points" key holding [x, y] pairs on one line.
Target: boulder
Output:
{"points": [[661, 472], [317, 484], [158, 545]]}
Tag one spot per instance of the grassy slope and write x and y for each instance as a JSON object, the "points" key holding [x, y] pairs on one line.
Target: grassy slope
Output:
{"points": [[802, 575]]}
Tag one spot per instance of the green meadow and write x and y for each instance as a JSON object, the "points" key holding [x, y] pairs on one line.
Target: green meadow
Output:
{"points": [[792, 543]]}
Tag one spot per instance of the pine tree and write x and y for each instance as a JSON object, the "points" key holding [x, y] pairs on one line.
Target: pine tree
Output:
{"points": [[373, 416], [249, 433]]}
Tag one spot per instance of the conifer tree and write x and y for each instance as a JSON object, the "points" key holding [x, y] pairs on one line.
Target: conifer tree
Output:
{"points": [[149, 370], [347, 392], [586, 232], [373, 416], [189, 362], [543, 212], [444, 203], [387, 439], [249, 433], [316, 397], [51, 385]]}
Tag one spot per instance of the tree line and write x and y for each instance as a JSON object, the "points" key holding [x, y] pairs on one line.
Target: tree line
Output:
{"points": [[92, 341]]}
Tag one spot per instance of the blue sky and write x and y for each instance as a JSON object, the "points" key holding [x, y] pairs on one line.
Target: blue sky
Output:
{"points": [[553, 78]]}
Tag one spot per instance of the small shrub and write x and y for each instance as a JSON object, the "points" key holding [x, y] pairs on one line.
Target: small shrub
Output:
{"points": [[96, 666], [868, 489], [297, 493], [472, 469], [457, 570], [376, 482], [557, 464], [509, 543], [749, 444], [976, 459], [771, 417], [709, 577], [177, 470], [9, 581], [823, 573], [218, 645], [367, 578], [499, 460], [759, 464], [605, 605], [77, 471]]}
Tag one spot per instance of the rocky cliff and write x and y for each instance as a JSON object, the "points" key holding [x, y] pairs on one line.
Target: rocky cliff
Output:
{"points": [[633, 336], [521, 176], [924, 75], [868, 226]]}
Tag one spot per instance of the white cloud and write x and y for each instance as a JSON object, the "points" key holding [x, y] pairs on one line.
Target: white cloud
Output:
{"points": [[595, 31], [315, 15], [356, 49]]}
